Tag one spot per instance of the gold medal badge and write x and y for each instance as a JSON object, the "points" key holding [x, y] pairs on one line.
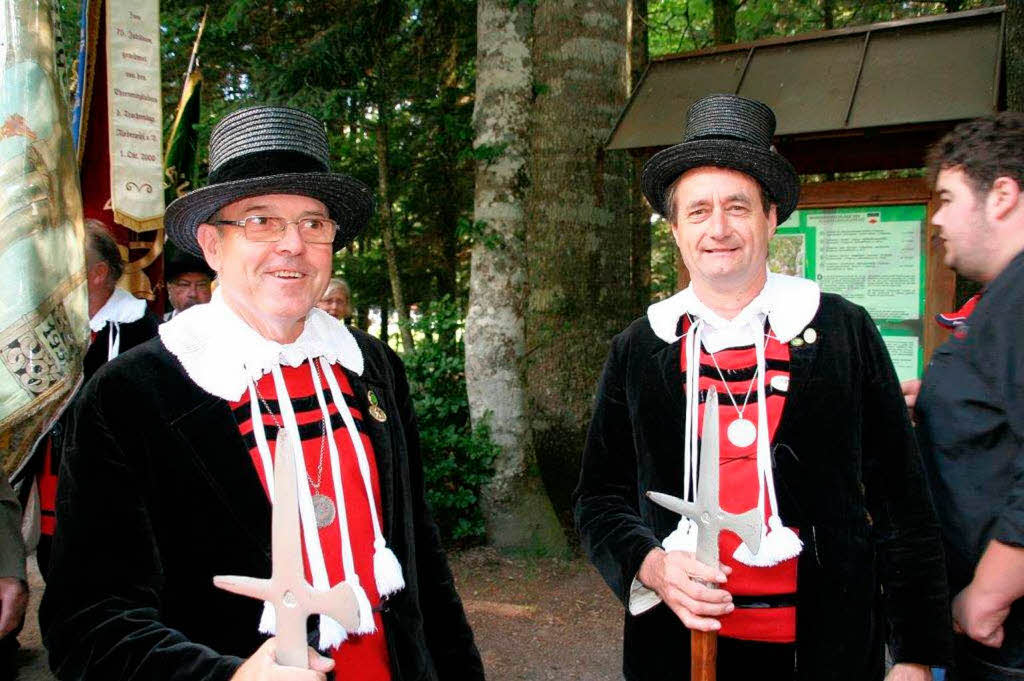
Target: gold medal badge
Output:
{"points": [[375, 410]]}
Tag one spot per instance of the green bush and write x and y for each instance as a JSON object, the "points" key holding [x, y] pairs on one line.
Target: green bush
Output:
{"points": [[457, 458]]}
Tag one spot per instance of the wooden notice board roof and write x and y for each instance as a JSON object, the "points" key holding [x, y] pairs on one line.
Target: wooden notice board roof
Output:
{"points": [[876, 95]]}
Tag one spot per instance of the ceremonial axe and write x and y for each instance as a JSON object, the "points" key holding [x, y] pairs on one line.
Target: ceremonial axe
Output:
{"points": [[294, 600], [711, 520]]}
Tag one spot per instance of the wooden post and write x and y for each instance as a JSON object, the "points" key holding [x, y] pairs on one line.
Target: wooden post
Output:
{"points": [[703, 655]]}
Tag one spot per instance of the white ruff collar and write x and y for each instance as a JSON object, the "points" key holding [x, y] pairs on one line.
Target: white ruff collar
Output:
{"points": [[221, 353], [789, 302], [121, 308]]}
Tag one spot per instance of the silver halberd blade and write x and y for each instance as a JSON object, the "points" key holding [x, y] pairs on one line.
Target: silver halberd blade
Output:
{"points": [[294, 600], [706, 512]]}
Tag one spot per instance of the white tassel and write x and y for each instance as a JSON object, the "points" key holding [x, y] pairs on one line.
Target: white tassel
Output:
{"points": [[683, 538], [332, 634], [778, 545], [387, 571], [367, 625], [268, 620]]}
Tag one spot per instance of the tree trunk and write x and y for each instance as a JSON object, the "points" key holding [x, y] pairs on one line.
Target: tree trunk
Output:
{"points": [[828, 14], [1014, 46], [640, 253], [516, 507], [387, 229], [723, 26], [579, 235], [385, 312]]}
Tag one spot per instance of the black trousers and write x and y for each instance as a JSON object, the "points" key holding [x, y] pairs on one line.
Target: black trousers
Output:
{"points": [[746, 660], [8, 651], [970, 667]]}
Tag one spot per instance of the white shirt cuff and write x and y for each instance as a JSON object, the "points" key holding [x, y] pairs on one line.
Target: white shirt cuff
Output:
{"points": [[641, 599]]}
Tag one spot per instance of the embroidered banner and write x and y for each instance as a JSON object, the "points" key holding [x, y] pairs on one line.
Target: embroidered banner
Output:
{"points": [[43, 310], [135, 123]]}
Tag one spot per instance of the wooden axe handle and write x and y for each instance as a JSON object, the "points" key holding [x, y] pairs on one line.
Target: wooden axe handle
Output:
{"points": [[703, 655]]}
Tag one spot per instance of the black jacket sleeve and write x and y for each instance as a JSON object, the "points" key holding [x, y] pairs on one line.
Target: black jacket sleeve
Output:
{"points": [[101, 612], [606, 500], [903, 522], [999, 348], [449, 637], [12, 549]]}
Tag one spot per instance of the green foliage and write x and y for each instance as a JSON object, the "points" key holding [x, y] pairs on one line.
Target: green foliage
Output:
{"points": [[457, 458], [686, 25], [664, 253]]}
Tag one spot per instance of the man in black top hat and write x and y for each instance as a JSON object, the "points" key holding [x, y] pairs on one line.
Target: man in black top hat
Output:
{"points": [[813, 434], [167, 474], [189, 282]]}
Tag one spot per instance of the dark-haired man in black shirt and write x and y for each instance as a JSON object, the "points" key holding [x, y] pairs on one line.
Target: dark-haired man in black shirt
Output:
{"points": [[970, 411]]}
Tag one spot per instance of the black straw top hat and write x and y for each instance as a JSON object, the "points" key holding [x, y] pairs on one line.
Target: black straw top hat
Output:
{"points": [[269, 150], [726, 131]]}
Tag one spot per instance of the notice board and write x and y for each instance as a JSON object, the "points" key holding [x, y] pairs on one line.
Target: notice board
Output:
{"points": [[871, 255]]}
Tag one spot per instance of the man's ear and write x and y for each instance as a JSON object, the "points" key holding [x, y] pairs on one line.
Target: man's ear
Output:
{"points": [[1003, 198], [98, 273], [210, 241], [773, 220]]}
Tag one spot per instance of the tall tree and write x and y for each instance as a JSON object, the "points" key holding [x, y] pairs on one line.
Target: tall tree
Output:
{"points": [[1014, 42], [640, 252], [386, 220], [578, 232], [723, 22], [517, 509]]}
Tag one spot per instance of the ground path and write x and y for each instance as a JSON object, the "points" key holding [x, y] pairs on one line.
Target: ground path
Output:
{"points": [[534, 618]]}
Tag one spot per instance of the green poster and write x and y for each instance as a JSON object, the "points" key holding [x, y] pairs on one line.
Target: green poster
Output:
{"points": [[872, 256]]}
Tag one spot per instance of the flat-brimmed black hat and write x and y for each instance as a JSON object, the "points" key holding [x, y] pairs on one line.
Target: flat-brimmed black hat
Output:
{"points": [[269, 150], [179, 262], [726, 131]]}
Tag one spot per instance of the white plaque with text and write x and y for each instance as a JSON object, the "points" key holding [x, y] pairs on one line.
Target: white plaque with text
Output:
{"points": [[133, 103]]}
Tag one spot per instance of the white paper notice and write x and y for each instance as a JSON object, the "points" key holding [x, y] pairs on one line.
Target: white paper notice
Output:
{"points": [[136, 127], [904, 352], [876, 264]]}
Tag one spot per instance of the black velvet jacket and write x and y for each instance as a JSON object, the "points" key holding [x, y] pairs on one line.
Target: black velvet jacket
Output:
{"points": [[158, 494], [847, 473], [131, 333]]}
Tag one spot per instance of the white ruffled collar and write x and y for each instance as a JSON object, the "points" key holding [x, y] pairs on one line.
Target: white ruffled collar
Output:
{"points": [[220, 352], [121, 308], [789, 302]]}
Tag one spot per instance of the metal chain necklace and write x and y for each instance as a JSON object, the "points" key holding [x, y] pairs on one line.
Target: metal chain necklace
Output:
{"points": [[741, 432], [323, 506]]}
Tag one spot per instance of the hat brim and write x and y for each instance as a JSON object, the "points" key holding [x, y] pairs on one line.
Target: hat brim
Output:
{"points": [[349, 202], [774, 172]]}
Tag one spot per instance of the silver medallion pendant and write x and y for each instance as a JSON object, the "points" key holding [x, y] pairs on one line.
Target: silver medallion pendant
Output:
{"points": [[323, 510], [741, 432]]}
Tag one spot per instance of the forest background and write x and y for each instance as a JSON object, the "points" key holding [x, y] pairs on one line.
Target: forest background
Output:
{"points": [[508, 245]]}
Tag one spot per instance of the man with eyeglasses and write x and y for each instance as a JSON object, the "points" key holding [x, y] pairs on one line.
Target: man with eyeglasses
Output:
{"points": [[189, 282], [149, 514]]}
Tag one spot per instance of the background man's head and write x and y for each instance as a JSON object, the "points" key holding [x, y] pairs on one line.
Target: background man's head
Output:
{"points": [[978, 170], [103, 262], [189, 281], [337, 299]]}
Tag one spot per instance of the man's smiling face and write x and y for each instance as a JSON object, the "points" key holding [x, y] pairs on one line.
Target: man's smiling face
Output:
{"points": [[721, 227], [269, 284]]}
